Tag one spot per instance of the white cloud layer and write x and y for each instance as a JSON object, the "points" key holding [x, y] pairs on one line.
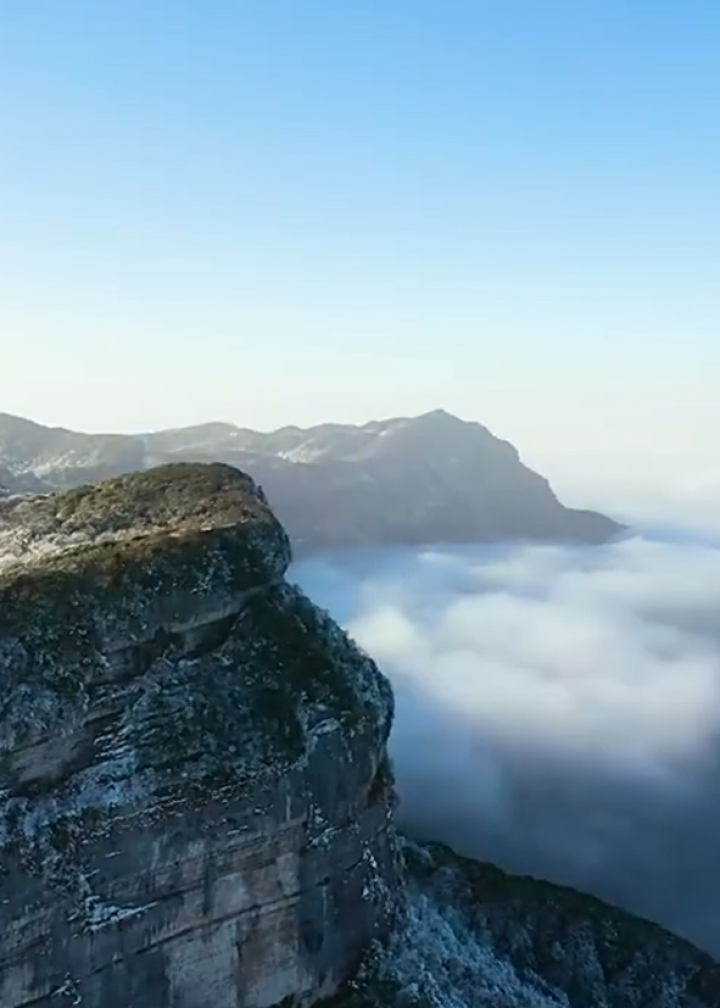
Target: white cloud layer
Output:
{"points": [[558, 709]]}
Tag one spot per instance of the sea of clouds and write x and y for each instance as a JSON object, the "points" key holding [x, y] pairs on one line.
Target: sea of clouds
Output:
{"points": [[558, 708]]}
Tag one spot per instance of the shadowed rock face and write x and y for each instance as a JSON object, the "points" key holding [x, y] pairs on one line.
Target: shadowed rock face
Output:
{"points": [[195, 799]]}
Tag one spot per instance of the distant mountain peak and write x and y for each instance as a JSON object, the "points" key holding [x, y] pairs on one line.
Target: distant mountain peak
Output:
{"points": [[439, 414], [431, 417]]}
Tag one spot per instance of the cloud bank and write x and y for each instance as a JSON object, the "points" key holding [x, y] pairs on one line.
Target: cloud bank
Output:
{"points": [[558, 709]]}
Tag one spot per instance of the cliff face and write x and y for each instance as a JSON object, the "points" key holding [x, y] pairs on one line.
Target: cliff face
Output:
{"points": [[195, 800]]}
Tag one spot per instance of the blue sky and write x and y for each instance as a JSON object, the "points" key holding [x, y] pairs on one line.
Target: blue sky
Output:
{"points": [[275, 212]]}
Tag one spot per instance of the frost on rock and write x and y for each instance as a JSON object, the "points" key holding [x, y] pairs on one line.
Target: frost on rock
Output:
{"points": [[169, 500], [436, 960], [470, 936], [67, 992], [94, 914]]}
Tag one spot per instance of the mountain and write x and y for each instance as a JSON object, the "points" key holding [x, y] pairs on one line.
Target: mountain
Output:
{"points": [[196, 800], [59, 458], [468, 935], [427, 479]]}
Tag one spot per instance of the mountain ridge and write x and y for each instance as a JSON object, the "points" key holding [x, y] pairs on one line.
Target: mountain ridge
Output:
{"points": [[426, 479]]}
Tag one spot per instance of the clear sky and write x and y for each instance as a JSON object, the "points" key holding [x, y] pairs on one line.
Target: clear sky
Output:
{"points": [[269, 212]]}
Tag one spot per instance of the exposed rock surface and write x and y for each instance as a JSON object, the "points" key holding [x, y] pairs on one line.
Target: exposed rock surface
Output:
{"points": [[195, 800], [427, 479], [471, 936]]}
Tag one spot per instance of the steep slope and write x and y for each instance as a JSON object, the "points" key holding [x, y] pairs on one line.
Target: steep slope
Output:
{"points": [[427, 479], [471, 936], [195, 803]]}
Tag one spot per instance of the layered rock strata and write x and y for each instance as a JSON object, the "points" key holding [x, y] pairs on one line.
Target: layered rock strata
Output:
{"points": [[195, 798]]}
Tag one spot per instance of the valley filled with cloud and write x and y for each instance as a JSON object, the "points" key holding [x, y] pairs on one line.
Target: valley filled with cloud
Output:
{"points": [[558, 708]]}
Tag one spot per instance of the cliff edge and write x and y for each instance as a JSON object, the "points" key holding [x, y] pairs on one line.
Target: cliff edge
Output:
{"points": [[195, 798]]}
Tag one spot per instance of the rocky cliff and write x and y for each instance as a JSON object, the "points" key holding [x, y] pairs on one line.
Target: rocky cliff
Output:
{"points": [[195, 801], [407, 480]]}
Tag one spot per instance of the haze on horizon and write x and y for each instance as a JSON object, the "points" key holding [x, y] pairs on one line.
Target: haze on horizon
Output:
{"points": [[269, 215]]}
